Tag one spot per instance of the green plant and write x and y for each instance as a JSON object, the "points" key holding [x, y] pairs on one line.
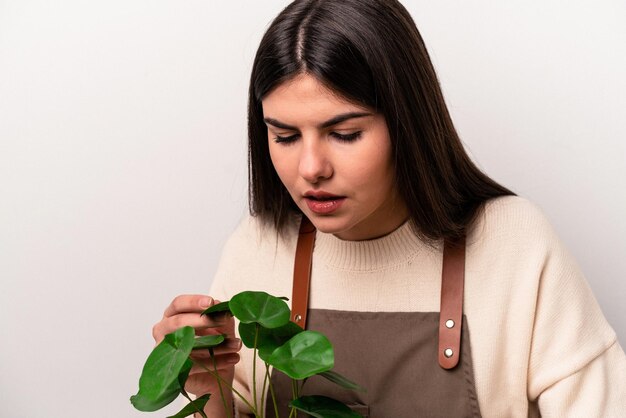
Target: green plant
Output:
{"points": [[264, 326]]}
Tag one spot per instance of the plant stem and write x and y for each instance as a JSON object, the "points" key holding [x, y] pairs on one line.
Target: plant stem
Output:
{"points": [[219, 385], [256, 337], [293, 396], [265, 379], [198, 410], [273, 398], [235, 391], [294, 391], [302, 386]]}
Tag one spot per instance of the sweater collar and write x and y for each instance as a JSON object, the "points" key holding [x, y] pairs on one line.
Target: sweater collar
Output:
{"points": [[395, 248]]}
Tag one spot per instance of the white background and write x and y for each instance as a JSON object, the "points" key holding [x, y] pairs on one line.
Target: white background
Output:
{"points": [[123, 162]]}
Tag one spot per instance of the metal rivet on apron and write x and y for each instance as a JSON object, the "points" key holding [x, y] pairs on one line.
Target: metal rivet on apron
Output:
{"points": [[449, 323], [448, 352], [298, 318]]}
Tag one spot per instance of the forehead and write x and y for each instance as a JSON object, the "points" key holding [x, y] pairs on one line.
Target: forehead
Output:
{"points": [[305, 97]]}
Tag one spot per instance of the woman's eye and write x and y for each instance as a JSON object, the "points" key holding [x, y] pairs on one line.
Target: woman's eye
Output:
{"points": [[285, 139], [341, 137], [346, 137]]}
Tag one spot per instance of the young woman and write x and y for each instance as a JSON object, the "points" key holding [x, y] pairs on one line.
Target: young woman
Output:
{"points": [[348, 129]]}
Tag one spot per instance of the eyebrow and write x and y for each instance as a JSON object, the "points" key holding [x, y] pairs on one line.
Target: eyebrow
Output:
{"points": [[330, 122]]}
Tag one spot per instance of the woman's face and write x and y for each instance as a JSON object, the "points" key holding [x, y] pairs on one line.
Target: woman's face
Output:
{"points": [[334, 158]]}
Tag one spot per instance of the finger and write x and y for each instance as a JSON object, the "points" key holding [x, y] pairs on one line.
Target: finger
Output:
{"points": [[188, 303], [227, 331], [222, 362], [201, 323], [171, 324], [200, 332], [229, 346]]}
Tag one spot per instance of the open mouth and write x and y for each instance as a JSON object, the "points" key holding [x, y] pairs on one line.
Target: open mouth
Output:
{"points": [[321, 195], [323, 199], [323, 203]]}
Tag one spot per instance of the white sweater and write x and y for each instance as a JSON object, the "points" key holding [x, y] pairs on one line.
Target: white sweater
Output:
{"points": [[539, 340]]}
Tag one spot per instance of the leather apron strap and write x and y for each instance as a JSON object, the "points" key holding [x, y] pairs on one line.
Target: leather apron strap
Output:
{"points": [[452, 285], [451, 308], [302, 272]]}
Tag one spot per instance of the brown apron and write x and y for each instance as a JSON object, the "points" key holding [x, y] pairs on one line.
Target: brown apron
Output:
{"points": [[411, 363]]}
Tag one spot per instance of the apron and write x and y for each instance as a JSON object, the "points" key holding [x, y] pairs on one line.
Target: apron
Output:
{"points": [[412, 364]]}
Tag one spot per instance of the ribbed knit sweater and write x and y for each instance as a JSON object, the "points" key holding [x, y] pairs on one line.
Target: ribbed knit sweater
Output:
{"points": [[539, 341]]}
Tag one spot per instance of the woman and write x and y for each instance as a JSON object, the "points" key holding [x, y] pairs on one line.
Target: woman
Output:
{"points": [[348, 127]]}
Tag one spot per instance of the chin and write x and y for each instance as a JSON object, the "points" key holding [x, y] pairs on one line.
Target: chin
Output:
{"points": [[326, 224], [331, 224]]}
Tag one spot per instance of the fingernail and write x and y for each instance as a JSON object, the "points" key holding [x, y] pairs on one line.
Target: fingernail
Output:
{"points": [[232, 360], [205, 302]]}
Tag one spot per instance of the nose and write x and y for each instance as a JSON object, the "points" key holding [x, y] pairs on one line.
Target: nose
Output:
{"points": [[315, 164]]}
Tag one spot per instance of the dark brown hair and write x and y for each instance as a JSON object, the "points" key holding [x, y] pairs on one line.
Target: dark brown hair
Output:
{"points": [[370, 52]]}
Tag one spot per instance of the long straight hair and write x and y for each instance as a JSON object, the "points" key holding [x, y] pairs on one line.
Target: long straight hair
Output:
{"points": [[371, 53]]}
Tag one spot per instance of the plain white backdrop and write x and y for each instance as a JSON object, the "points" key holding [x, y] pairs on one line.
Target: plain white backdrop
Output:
{"points": [[123, 163]]}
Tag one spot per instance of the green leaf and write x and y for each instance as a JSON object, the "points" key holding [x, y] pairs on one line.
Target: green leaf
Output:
{"points": [[158, 384], [142, 403], [304, 355], [268, 339], [260, 307], [183, 375], [323, 407], [193, 406], [207, 341], [219, 308], [342, 381]]}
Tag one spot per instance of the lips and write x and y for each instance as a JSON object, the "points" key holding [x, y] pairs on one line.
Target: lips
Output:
{"points": [[323, 203]]}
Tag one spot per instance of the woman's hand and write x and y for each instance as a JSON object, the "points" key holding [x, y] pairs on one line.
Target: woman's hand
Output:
{"points": [[185, 310]]}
